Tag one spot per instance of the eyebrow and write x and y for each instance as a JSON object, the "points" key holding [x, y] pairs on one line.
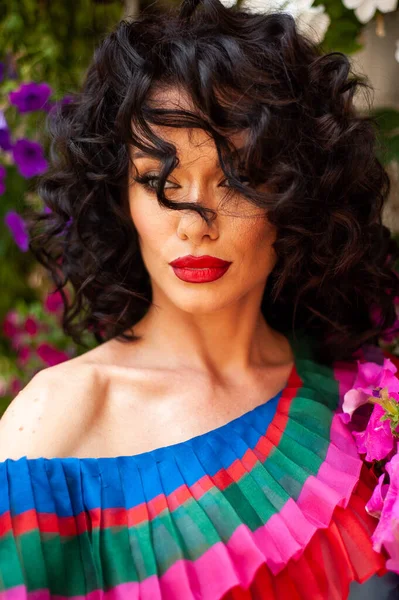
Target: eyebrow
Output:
{"points": [[141, 154]]}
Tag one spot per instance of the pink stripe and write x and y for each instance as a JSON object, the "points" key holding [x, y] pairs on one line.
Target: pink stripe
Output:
{"points": [[345, 375]]}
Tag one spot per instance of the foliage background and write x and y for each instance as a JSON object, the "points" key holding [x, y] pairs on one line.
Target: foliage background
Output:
{"points": [[53, 41]]}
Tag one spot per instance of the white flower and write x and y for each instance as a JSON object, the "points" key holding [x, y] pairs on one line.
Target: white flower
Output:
{"points": [[365, 9], [397, 50], [312, 21]]}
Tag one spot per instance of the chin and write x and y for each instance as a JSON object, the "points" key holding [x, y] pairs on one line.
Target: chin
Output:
{"points": [[201, 304]]}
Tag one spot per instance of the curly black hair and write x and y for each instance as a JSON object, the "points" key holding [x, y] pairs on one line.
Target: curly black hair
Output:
{"points": [[243, 71]]}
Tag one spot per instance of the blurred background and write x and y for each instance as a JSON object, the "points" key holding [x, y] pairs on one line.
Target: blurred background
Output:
{"points": [[45, 48]]}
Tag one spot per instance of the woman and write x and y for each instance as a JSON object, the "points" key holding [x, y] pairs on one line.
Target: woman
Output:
{"points": [[215, 202]]}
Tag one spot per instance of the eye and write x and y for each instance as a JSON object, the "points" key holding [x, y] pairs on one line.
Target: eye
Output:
{"points": [[152, 182], [244, 180], [149, 181]]}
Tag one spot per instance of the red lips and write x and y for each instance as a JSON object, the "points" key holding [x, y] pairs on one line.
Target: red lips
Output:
{"points": [[199, 262]]}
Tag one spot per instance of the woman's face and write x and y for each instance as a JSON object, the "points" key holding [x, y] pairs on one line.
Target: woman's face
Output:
{"points": [[240, 233]]}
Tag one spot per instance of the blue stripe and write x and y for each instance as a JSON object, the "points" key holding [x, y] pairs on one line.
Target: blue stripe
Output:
{"points": [[69, 486]]}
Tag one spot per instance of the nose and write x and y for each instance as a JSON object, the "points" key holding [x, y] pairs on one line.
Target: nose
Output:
{"points": [[190, 223], [191, 226]]}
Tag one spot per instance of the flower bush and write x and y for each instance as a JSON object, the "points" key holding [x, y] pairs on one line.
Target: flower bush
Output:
{"points": [[44, 50]]}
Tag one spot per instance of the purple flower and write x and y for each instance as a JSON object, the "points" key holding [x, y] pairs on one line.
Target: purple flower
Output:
{"points": [[5, 140], [376, 441], [29, 157], [1, 71], [31, 96], [3, 173], [16, 225]]}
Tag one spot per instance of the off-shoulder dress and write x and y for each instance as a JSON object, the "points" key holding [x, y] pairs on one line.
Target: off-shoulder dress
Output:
{"points": [[268, 506]]}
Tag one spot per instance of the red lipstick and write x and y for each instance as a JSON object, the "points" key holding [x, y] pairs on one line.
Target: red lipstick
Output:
{"points": [[199, 269]]}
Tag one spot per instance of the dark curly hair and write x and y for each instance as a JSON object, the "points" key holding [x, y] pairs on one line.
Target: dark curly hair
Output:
{"points": [[325, 186]]}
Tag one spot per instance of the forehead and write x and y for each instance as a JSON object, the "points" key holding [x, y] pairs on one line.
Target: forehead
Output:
{"points": [[185, 139]]}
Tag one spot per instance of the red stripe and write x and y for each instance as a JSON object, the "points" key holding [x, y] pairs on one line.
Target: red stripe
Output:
{"points": [[96, 518]]}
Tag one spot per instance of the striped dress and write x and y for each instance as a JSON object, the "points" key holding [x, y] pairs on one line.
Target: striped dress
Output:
{"points": [[269, 506]]}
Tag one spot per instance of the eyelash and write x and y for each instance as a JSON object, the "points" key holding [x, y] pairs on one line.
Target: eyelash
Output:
{"points": [[145, 179]]}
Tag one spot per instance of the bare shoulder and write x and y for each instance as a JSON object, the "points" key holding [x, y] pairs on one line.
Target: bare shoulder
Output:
{"points": [[55, 406]]}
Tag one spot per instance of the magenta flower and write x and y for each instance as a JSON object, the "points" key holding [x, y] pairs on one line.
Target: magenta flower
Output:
{"points": [[3, 173], [16, 385], [5, 139], [31, 327], [376, 441], [50, 355], [30, 96], [53, 302], [24, 353], [369, 377], [387, 531], [376, 503], [17, 226], [11, 324], [29, 158]]}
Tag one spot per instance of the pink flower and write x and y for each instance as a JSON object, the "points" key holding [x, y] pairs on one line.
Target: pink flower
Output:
{"points": [[11, 324], [31, 326], [377, 440], [23, 355], [387, 531], [53, 302], [16, 386], [50, 355], [376, 503], [370, 376], [17, 340]]}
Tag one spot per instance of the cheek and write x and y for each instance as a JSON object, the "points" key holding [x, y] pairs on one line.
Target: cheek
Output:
{"points": [[150, 225], [257, 238]]}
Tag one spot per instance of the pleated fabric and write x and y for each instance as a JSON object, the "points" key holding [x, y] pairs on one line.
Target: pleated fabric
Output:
{"points": [[270, 505]]}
